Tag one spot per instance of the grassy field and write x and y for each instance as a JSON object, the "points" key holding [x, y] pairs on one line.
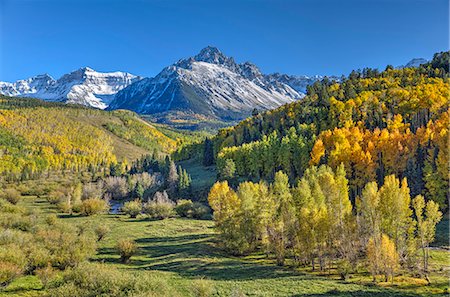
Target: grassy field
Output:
{"points": [[183, 250], [202, 177]]}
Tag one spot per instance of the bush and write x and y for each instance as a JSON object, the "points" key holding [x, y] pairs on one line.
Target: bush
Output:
{"points": [[161, 207], [93, 206], [90, 279], [71, 248], [56, 197], [9, 272], [11, 195], [158, 210], [7, 207], [184, 208], [16, 221], [45, 274], [344, 269], [200, 211], [51, 219], [202, 288], [64, 206], [38, 256], [126, 248], [77, 207], [92, 190], [101, 232], [132, 208], [117, 187]]}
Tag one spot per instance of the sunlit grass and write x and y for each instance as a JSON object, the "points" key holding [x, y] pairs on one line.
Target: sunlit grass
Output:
{"points": [[183, 250]]}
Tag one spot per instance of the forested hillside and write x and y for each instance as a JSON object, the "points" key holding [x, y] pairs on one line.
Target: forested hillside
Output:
{"points": [[374, 123], [37, 137]]}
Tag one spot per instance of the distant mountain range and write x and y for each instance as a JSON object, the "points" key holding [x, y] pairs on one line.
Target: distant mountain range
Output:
{"points": [[83, 86], [209, 85]]}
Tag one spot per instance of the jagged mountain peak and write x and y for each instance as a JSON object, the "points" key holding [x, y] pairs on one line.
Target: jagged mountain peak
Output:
{"points": [[211, 54], [250, 70], [43, 76], [209, 83]]}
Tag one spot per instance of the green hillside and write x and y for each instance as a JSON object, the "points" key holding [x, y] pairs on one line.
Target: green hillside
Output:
{"points": [[37, 136]]}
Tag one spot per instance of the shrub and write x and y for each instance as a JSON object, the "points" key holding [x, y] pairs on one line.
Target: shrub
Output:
{"points": [[71, 248], [158, 210], [9, 236], [93, 206], [8, 272], [202, 288], [200, 211], [77, 207], [56, 197], [51, 219], [92, 190], [64, 206], [7, 207], [45, 274], [90, 279], [16, 221], [160, 207], [116, 186], [126, 248], [38, 256], [101, 232], [11, 195], [344, 269], [132, 208], [184, 208]]}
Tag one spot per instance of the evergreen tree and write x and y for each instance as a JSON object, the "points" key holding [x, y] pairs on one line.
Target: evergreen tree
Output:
{"points": [[208, 152], [138, 191]]}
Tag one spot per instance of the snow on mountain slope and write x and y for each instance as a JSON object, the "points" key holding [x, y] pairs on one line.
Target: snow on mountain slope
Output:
{"points": [[209, 83], [83, 86]]}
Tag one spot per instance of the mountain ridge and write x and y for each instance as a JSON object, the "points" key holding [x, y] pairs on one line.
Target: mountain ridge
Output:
{"points": [[209, 83], [83, 86]]}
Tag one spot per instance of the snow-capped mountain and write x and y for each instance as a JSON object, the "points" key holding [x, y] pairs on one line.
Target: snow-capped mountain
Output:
{"points": [[416, 62], [209, 84], [83, 86]]}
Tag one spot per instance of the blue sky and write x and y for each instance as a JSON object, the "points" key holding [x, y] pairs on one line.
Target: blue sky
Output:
{"points": [[143, 36]]}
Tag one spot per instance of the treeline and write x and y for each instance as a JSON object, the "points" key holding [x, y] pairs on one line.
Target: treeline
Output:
{"points": [[147, 179], [314, 222], [375, 123], [38, 137]]}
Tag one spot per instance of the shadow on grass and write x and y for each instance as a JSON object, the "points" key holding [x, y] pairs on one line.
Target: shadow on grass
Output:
{"points": [[193, 256], [361, 293]]}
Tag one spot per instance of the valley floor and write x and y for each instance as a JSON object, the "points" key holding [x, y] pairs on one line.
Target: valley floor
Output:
{"points": [[181, 250]]}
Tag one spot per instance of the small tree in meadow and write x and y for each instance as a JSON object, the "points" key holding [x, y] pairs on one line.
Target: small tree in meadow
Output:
{"points": [[93, 206], [101, 232], [132, 208], [126, 248], [11, 195]]}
